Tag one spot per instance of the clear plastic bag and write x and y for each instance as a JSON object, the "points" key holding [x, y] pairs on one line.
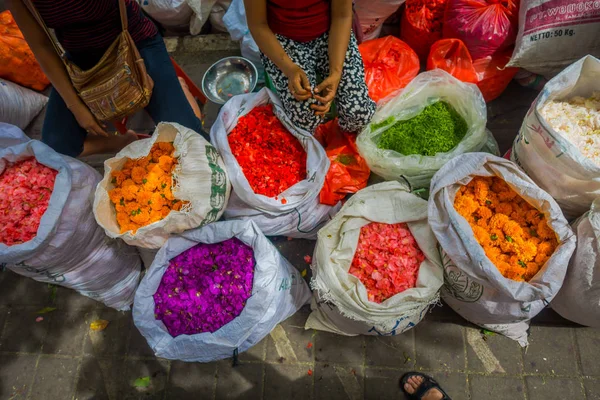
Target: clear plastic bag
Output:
{"points": [[427, 88]]}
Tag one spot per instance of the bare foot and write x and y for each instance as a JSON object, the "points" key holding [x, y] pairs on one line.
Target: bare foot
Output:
{"points": [[105, 145], [413, 384]]}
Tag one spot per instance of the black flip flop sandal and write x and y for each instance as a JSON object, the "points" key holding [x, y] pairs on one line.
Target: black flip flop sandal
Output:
{"points": [[428, 383]]}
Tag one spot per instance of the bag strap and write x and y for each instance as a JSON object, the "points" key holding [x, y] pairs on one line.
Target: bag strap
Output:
{"points": [[59, 51], [41, 22], [123, 14]]}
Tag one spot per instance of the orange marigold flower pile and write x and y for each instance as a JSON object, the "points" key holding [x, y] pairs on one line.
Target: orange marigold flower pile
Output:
{"points": [[514, 235], [143, 189]]}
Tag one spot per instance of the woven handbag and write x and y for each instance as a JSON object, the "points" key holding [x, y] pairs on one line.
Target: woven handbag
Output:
{"points": [[118, 85]]}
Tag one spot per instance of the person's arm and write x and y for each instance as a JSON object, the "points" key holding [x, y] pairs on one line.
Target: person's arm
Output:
{"points": [[256, 14], [53, 67], [339, 38]]}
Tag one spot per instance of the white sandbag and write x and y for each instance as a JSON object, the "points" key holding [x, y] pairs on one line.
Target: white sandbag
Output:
{"points": [[555, 33], [237, 26], [373, 13], [216, 15], [473, 286], [341, 303], [70, 249], [19, 105], [201, 9], [278, 292], [201, 180], [174, 14], [426, 89], [579, 297], [553, 163], [302, 215]]}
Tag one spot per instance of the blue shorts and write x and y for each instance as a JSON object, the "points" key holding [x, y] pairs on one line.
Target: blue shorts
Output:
{"points": [[168, 103]]}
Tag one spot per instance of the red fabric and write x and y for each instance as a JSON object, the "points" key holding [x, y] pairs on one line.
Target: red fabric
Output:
{"points": [[485, 26], [92, 25], [348, 171], [390, 64], [487, 73], [299, 20]]}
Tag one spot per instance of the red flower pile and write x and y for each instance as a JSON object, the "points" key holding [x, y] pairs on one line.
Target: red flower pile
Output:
{"points": [[25, 190], [270, 157], [387, 260]]}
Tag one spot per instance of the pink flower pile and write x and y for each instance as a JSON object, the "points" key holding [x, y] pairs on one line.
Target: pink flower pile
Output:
{"points": [[205, 287], [25, 190], [387, 260]]}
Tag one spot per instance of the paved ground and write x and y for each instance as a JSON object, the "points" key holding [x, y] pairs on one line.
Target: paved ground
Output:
{"points": [[60, 358]]}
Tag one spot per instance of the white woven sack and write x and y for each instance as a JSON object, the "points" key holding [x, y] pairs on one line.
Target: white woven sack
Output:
{"points": [[553, 163], [70, 249], [579, 297], [473, 286], [426, 89], [302, 215], [278, 291], [19, 105], [555, 33], [169, 13], [341, 303], [201, 180]]}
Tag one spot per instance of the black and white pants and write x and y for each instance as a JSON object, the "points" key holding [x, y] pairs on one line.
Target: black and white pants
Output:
{"points": [[355, 107]]}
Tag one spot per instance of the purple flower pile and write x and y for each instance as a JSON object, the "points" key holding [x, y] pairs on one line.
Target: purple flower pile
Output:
{"points": [[205, 287]]}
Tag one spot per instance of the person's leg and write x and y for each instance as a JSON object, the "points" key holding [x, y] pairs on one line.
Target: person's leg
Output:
{"points": [[168, 102], [355, 107], [63, 134], [303, 55]]}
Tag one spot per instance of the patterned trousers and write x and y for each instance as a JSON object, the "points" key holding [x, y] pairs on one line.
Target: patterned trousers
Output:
{"points": [[355, 107]]}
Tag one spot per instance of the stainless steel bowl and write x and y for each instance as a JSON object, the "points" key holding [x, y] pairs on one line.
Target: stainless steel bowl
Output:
{"points": [[228, 77]]}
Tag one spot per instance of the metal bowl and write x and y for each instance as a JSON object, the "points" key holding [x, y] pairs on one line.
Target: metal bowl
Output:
{"points": [[228, 77]]}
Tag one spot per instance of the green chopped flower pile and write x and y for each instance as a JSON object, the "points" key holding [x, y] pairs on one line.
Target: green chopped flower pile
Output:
{"points": [[437, 129]]}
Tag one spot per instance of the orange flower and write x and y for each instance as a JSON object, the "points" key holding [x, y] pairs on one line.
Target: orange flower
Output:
{"points": [[514, 235], [167, 147], [118, 177], [142, 193], [122, 218], [115, 195], [145, 197], [157, 201], [130, 192], [165, 163], [143, 162], [141, 217], [138, 174]]}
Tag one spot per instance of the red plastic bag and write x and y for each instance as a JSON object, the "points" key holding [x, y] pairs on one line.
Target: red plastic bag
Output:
{"points": [[493, 77], [485, 26], [348, 171], [421, 24], [452, 56], [390, 64], [488, 73], [17, 63]]}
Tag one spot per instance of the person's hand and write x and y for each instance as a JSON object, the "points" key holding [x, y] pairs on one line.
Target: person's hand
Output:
{"points": [[299, 84], [87, 121], [325, 93]]}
